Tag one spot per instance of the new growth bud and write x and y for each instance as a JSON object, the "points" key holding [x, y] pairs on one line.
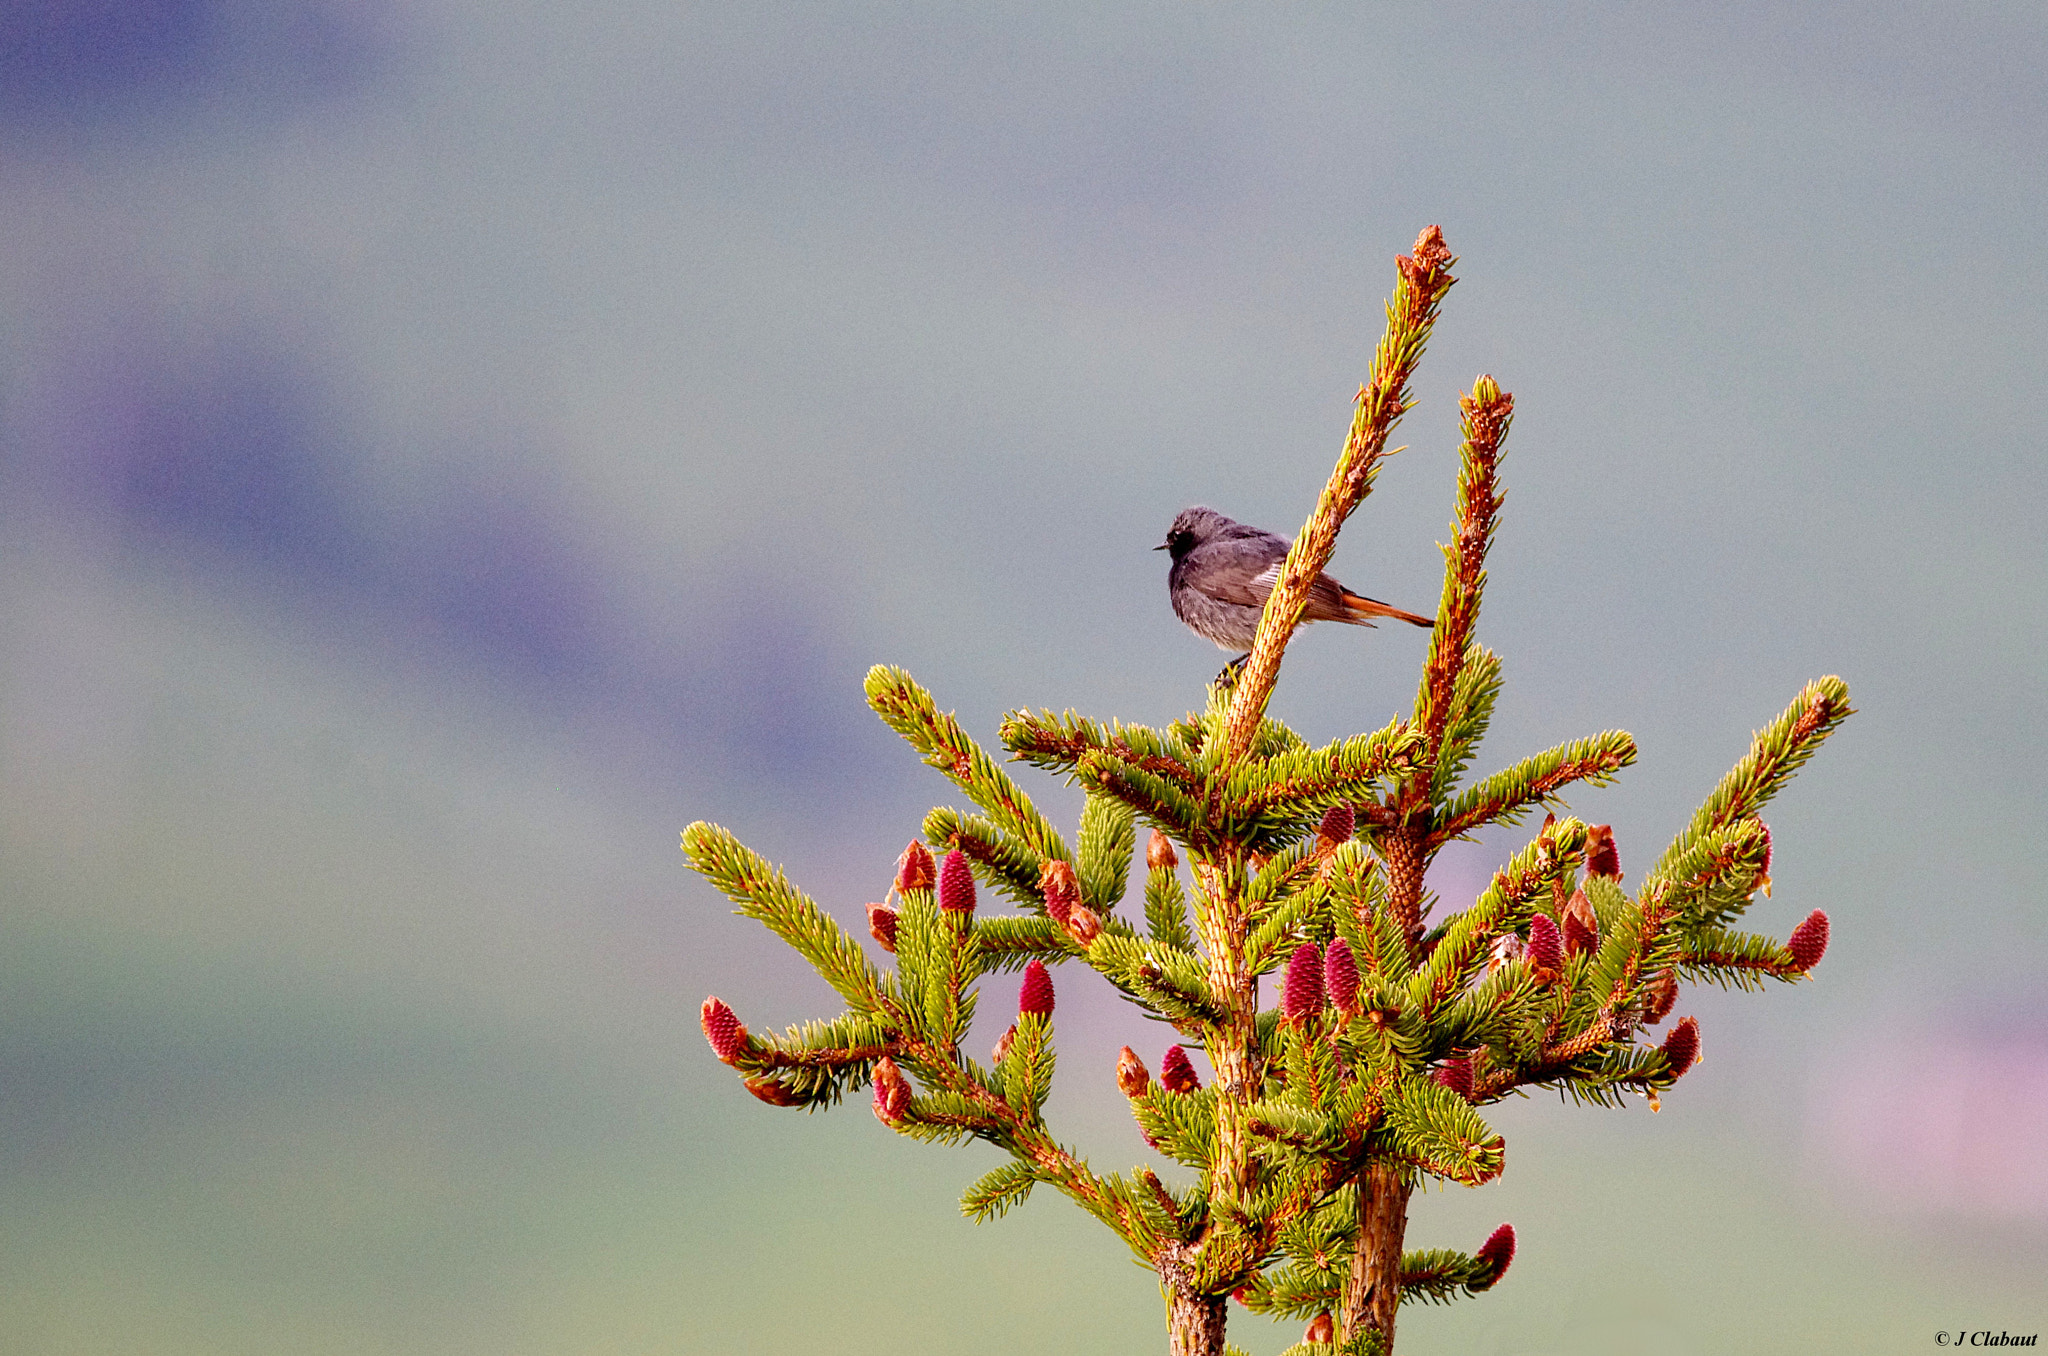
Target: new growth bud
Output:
{"points": [[1763, 872], [1340, 977], [1485, 390], [1809, 941], [1602, 859], [1084, 926], [1035, 997], [1003, 1044], [914, 869], [1506, 950], [1546, 948], [1176, 1074], [882, 926], [1302, 996], [1430, 250], [1663, 993], [1682, 1047], [892, 1091], [723, 1028], [1132, 1077], [1062, 891], [1339, 823], [956, 883], [1159, 853], [1321, 1330], [1498, 1251], [1581, 928], [772, 1092]]}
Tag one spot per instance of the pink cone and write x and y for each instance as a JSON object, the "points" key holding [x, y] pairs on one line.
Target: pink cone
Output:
{"points": [[1035, 997], [1340, 976], [1302, 996], [1682, 1047], [723, 1028], [1546, 948], [1176, 1074], [1498, 1251], [1809, 941], [956, 883]]}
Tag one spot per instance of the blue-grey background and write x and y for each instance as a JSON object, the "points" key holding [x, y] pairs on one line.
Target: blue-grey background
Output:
{"points": [[446, 447]]}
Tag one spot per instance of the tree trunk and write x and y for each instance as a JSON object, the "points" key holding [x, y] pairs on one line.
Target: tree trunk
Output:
{"points": [[1194, 1323], [1372, 1293]]}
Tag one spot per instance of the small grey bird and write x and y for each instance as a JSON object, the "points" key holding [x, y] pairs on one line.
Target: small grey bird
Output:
{"points": [[1223, 570]]}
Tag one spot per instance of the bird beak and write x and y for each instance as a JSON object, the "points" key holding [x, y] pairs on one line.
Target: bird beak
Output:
{"points": [[1161, 547]]}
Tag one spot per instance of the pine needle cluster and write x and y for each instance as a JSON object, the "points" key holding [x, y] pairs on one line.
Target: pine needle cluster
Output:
{"points": [[1390, 1036]]}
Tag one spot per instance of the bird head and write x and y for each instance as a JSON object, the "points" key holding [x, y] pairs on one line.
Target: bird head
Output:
{"points": [[1193, 527]]}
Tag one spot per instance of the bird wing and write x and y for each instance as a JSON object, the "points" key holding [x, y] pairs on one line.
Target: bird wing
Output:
{"points": [[1236, 570], [1326, 597]]}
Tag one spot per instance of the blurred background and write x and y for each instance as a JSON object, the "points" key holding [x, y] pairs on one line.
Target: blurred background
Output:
{"points": [[447, 447]]}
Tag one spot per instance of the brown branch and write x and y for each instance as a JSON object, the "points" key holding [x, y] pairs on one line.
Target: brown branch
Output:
{"points": [[1487, 413], [771, 1058], [1425, 278], [1727, 961]]}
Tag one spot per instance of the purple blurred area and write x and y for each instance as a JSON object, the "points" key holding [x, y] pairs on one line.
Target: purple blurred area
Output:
{"points": [[1947, 1123], [85, 61], [231, 451]]}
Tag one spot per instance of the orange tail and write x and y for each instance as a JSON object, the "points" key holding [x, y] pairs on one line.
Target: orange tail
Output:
{"points": [[1358, 609]]}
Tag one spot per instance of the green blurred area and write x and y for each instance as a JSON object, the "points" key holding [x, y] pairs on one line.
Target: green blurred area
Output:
{"points": [[301, 1052], [446, 449]]}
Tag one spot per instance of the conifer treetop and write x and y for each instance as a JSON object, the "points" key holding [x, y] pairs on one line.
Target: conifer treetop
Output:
{"points": [[1366, 1068]]}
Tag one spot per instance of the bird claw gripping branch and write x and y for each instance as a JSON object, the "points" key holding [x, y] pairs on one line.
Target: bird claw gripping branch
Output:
{"points": [[1298, 1155]]}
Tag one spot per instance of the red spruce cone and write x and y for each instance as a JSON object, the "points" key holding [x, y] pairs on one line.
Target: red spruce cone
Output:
{"points": [[1546, 948], [882, 926], [1062, 891], [1602, 858], [1302, 997], [1455, 1074], [1763, 873], [1809, 941], [1339, 823], [1159, 853], [1340, 976], [1035, 997], [892, 1091], [723, 1028], [1682, 1047], [1581, 928], [914, 869], [1663, 994], [1321, 1330], [1132, 1077], [1176, 1074], [956, 883], [1498, 1251]]}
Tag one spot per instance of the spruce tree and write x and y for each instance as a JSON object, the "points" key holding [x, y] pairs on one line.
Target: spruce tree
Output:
{"points": [[1322, 1113]]}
